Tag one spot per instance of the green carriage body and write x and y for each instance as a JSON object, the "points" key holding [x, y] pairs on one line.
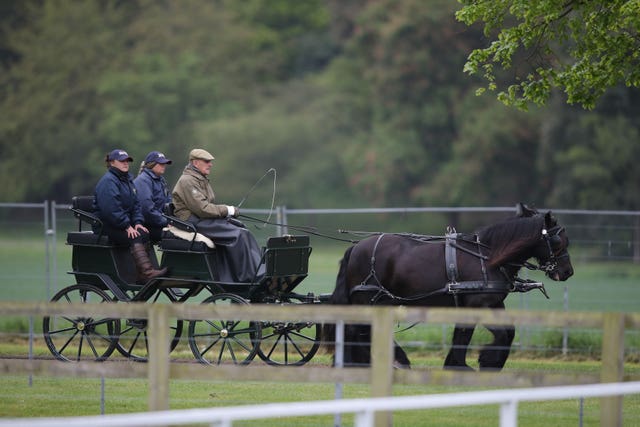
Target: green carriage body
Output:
{"points": [[106, 272]]}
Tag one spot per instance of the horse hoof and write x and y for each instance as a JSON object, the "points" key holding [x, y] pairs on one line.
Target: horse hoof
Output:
{"points": [[398, 365]]}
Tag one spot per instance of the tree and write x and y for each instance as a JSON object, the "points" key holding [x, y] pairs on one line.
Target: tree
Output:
{"points": [[49, 105], [592, 154], [580, 47], [82, 78], [398, 71], [493, 159]]}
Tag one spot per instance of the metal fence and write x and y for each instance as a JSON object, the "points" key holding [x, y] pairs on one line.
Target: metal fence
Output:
{"points": [[610, 236], [380, 375]]}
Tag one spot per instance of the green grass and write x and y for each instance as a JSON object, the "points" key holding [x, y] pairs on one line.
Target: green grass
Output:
{"points": [[72, 397], [602, 286], [610, 286], [605, 286], [23, 269]]}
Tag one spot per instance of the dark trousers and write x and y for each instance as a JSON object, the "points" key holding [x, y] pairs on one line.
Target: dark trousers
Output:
{"points": [[239, 254], [119, 237], [155, 233]]}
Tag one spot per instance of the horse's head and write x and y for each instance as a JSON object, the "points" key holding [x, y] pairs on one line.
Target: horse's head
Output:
{"points": [[551, 251]]}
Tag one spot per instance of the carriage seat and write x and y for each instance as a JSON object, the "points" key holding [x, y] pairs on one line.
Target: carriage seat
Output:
{"points": [[182, 235], [82, 208], [87, 238]]}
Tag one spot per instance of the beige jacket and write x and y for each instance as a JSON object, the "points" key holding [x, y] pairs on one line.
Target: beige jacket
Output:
{"points": [[193, 194]]}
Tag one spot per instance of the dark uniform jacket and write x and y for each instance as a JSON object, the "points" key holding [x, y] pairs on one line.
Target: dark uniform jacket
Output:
{"points": [[116, 202], [153, 194]]}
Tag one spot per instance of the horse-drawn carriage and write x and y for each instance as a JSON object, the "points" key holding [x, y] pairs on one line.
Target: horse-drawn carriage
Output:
{"points": [[458, 270], [105, 272]]}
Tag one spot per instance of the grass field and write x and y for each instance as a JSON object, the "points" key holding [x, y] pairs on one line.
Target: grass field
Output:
{"points": [[610, 286], [603, 286], [69, 397]]}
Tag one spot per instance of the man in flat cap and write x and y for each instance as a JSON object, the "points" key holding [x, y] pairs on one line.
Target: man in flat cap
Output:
{"points": [[194, 201]]}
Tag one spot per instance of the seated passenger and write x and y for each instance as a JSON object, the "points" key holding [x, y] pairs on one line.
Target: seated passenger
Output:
{"points": [[194, 201], [153, 193], [117, 206]]}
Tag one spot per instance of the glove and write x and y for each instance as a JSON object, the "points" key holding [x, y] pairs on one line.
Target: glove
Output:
{"points": [[233, 211]]}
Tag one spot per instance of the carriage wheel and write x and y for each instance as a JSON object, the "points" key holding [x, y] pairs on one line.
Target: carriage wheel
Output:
{"points": [[215, 342], [81, 338], [133, 341], [289, 343]]}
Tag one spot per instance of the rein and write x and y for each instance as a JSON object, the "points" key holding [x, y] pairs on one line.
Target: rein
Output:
{"points": [[451, 239], [305, 229]]}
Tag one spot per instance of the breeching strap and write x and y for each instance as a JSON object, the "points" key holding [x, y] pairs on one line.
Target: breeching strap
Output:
{"points": [[376, 285]]}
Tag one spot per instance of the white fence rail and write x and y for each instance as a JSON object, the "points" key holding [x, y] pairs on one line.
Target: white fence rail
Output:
{"points": [[363, 409], [160, 370]]}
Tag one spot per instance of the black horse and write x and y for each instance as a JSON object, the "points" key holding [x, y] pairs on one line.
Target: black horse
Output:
{"points": [[477, 270]]}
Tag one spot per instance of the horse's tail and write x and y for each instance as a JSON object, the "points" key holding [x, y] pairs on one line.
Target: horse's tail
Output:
{"points": [[341, 293], [340, 296]]}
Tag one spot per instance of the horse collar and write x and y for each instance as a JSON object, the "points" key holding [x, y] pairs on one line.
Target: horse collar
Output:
{"points": [[476, 286]]}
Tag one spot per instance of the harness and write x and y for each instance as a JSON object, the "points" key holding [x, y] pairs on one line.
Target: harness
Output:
{"points": [[454, 287], [452, 240]]}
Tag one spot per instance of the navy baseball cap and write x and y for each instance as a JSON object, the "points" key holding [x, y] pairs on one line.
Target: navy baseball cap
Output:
{"points": [[157, 157], [120, 155]]}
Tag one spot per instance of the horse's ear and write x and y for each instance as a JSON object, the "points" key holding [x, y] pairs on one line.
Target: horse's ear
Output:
{"points": [[523, 210], [549, 220]]}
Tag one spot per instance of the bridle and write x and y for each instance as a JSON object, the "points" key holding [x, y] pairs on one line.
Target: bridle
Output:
{"points": [[552, 239]]}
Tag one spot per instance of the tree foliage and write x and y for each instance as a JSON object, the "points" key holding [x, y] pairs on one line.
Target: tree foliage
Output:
{"points": [[358, 103], [580, 47], [396, 70], [50, 106], [491, 160]]}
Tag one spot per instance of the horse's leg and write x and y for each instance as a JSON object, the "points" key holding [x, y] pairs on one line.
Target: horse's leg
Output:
{"points": [[400, 359], [456, 359], [357, 350], [349, 349], [494, 355], [357, 344]]}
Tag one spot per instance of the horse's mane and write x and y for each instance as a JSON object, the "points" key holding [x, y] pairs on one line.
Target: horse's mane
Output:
{"points": [[509, 238]]}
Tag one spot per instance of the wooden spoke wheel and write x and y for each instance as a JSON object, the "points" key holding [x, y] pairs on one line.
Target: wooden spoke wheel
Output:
{"points": [[220, 341], [289, 342], [81, 338], [133, 340]]}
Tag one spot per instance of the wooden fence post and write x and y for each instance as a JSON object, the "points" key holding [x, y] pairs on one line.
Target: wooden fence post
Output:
{"points": [[158, 369], [382, 360], [612, 367]]}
